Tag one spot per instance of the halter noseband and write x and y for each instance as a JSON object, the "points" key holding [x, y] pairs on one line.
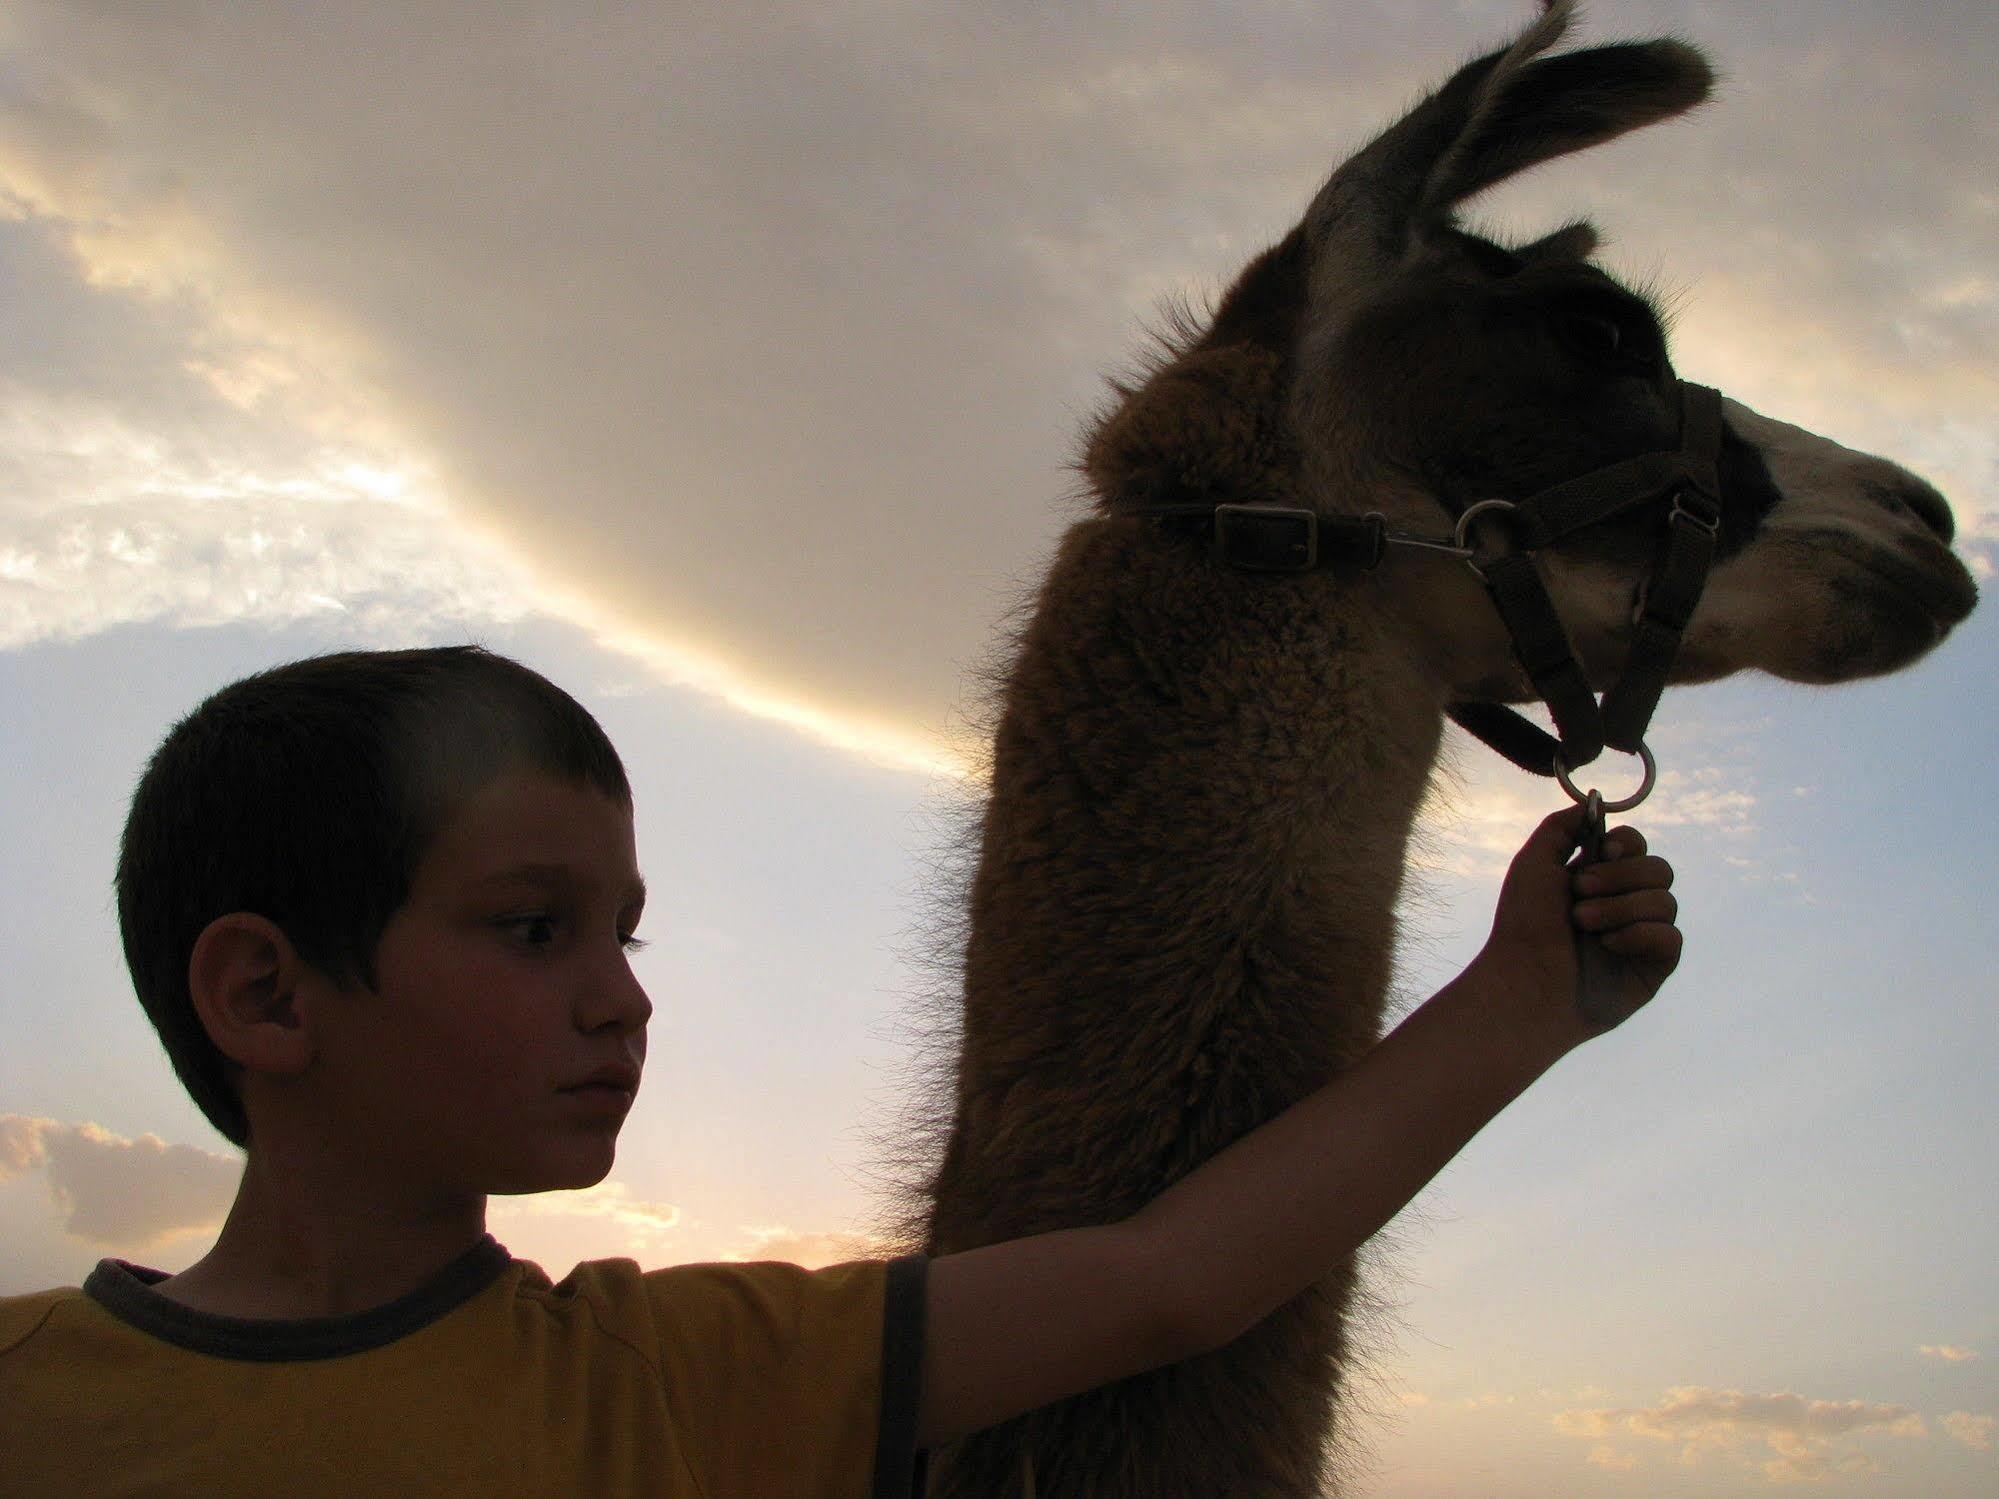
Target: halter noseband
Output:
{"points": [[1269, 538]]}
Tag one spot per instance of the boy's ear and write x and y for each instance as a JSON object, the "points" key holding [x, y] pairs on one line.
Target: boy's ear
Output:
{"points": [[244, 978]]}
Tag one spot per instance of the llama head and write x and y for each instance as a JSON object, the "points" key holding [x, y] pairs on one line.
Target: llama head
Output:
{"points": [[1381, 358]]}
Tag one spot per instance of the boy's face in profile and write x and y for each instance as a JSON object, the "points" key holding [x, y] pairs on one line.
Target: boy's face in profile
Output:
{"points": [[503, 988]]}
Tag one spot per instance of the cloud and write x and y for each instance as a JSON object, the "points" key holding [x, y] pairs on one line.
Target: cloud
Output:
{"points": [[758, 335], [148, 474], [607, 1221], [1478, 809], [610, 1221], [265, 553], [812, 1250], [1974, 1432], [126, 1195], [1801, 1435], [1950, 1353], [21, 1146], [137, 1194], [164, 489]]}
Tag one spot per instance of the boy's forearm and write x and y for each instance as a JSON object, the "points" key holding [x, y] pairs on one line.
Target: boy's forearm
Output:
{"points": [[1275, 1211]]}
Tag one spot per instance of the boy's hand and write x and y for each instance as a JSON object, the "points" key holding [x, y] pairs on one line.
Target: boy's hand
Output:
{"points": [[1547, 904], [1010, 1327]]}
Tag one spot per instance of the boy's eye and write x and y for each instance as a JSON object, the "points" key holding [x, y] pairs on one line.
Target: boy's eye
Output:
{"points": [[537, 930]]}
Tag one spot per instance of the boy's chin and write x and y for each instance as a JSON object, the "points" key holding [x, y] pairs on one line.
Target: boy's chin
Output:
{"points": [[570, 1175]]}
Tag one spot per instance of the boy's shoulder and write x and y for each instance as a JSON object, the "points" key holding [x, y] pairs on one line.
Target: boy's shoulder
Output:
{"points": [[22, 1316], [689, 1368], [753, 1311]]}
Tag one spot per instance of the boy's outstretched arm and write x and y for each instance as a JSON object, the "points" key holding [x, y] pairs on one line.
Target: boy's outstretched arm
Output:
{"points": [[1014, 1326]]}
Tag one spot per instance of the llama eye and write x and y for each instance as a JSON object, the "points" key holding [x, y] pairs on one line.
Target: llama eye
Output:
{"points": [[1598, 337]]}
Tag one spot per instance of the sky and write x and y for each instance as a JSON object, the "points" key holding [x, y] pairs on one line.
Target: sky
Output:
{"points": [[725, 363]]}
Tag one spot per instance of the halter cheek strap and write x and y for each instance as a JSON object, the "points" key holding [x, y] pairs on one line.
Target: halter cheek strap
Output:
{"points": [[1267, 538], [1664, 603]]}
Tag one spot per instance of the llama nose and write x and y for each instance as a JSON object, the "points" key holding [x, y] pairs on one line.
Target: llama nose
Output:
{"points": [[1907, 493]]}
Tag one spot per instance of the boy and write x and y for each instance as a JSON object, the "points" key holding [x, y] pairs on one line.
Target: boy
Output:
{"points": [[378, 906]]}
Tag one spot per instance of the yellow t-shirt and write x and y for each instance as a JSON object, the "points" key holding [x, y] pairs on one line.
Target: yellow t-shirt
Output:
{"points": [[722, 1381]]}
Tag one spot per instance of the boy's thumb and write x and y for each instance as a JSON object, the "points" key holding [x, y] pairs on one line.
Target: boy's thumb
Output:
{"points": [[1555, 838]]}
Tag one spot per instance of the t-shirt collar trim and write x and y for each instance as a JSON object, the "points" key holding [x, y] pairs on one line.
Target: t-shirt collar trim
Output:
{"points": [[126, 1291]]}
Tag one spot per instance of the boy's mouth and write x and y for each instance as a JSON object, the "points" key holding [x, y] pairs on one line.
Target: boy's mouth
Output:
{"points": [[612, 1080], [602, 1095]]}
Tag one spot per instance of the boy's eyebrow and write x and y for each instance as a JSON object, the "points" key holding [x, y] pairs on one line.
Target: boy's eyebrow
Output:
{"points": [[556, 875]]}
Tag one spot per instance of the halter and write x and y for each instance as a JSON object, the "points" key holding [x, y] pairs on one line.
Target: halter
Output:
{"points": [[1275, 539]]}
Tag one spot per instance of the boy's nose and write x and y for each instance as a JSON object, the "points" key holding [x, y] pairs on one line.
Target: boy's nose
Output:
{"points": [[616, 1000]]}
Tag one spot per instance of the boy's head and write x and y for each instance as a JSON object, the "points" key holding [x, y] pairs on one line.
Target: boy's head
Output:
{"points": [[309, 795]]}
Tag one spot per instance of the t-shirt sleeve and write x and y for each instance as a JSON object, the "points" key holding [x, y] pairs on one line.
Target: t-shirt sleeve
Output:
{"points": [[785, 1381]]}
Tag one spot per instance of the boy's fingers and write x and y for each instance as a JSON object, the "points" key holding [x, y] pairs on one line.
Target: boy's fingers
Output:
{"points": [[1628, 910], [1623, 843], [1649, 941], [1621, 875]]}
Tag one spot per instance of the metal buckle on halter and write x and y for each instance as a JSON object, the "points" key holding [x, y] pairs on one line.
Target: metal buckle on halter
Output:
{"points": [[1266, 538], [1708, 517], [1462, 535], [1623, 804]]}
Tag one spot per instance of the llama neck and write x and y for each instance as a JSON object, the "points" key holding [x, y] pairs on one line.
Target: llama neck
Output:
{"points": [[1203, 785], [1164, 707]]}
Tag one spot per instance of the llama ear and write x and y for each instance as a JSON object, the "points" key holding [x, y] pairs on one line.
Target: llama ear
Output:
{"points": [[1497, 116], [1534, 112], [1573, 241]]}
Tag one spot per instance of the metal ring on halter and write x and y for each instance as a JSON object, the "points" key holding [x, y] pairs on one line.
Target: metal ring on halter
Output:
{"points": [[1462, 535], [1644, 790]]}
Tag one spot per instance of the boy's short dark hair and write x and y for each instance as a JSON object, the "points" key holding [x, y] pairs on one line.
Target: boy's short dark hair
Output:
{"points": [[308, 794]]}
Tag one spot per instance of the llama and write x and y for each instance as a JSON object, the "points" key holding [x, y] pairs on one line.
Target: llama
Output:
{"points": [[1204, 777]]}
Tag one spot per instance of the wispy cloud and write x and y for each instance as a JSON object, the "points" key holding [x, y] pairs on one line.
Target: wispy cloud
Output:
{"points": [[1479, 809], [609, 1220], [1972, 1431], [1950, 1353], [126, 1195], [1805, 1439], [157, 466], [812, 1250], [264, 553], [132, 1195]]}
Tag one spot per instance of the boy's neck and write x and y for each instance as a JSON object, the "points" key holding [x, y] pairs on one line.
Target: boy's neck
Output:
{"points": [[292, 1249]]}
